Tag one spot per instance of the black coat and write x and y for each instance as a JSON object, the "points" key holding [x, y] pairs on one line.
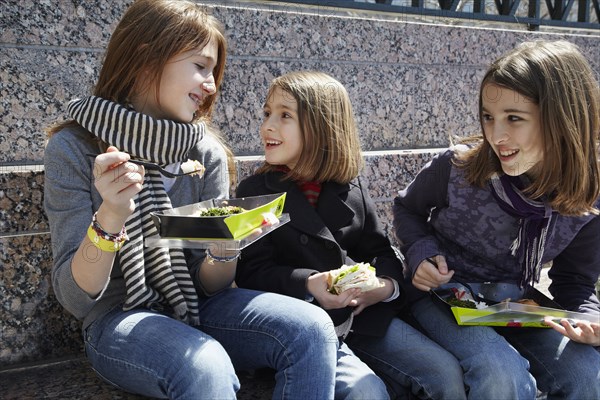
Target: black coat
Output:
{"points": [[343, 229]]}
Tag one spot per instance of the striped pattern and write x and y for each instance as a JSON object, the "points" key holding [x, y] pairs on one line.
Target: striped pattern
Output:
{"points": [[160, 141], [152, 275], [311, 190]]}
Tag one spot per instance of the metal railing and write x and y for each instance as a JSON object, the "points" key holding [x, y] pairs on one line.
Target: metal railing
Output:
{"points": [[578, 14]]}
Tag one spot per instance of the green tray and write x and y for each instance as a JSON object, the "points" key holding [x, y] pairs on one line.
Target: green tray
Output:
{"points": [[506, 313]]}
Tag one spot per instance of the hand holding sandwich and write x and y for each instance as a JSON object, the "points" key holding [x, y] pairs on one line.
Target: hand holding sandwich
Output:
{"points": [[368, 298], [351, 285], [316, 285]]}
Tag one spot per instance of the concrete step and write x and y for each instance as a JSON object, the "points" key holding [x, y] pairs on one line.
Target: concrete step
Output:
{"points": [[74, 379]]}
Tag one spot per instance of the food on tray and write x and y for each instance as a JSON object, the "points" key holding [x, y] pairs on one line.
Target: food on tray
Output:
{"points": [[194, 167], [361, 275], [528, 302], [269, 219], [462, 298], [454, 302], [219, 211]]}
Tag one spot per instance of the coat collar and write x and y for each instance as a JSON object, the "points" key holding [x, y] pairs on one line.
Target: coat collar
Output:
{"points": [[331, 214]]}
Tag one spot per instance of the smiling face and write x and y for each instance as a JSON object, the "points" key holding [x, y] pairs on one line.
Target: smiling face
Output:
{"points": [[280, 131], [511, 124], [187, 79]]}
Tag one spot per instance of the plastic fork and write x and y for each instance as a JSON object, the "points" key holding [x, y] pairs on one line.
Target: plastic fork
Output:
{"points": [[151, 165], [477, 296]]}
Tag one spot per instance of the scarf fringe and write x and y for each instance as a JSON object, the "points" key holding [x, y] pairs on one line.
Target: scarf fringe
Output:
{"points": [[534, 226]]}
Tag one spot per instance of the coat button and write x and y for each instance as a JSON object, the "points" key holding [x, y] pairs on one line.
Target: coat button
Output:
{"points": [[304, 239]]}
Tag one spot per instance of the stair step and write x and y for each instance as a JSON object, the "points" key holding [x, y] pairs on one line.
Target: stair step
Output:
{"points": [[74, 379]]}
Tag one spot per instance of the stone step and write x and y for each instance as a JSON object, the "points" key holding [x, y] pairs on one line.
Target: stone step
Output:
{"points": [[74, 379]]}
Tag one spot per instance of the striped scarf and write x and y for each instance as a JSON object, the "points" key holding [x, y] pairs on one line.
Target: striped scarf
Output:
{"points": [[153, 276], [312, 190], [535, 219]]}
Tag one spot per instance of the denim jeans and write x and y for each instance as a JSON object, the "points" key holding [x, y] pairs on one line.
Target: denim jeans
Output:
{"points": [[355, 380], [149, 353], [507, 363], [410, 363]]}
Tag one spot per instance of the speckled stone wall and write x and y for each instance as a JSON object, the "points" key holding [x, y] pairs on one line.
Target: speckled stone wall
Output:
{"points": [[412, 85]]}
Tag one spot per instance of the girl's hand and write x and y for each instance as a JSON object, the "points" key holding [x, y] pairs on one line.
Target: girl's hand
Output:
{"points": [[117, 181], [583, 332], [317, 287], [429, 276], [370, 297]]}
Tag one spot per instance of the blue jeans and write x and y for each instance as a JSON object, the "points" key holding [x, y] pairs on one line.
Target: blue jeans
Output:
{"points": [[149, 353], [355, 380], [508, 363], [411, 363]]}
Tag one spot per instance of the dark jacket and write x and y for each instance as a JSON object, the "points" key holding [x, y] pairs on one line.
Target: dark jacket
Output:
{"points": [[343, 229], [441, 213]]}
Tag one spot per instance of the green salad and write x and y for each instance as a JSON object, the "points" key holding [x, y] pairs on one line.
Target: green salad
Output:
{"points": [[220, 211], [453, 301]]}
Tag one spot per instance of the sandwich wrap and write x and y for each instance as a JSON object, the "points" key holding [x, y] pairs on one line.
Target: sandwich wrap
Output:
{"points": [[361, 275]]}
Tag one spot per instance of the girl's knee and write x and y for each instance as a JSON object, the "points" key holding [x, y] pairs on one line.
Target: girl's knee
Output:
{"points": [[500, 375], [314, 325], [207, 360], [368, 387], [580, 381], [207, 370]]}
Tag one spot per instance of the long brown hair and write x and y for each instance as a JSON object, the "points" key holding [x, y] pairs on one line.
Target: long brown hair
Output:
{"points": [[331, 147], [148, 36], [558, 78]]}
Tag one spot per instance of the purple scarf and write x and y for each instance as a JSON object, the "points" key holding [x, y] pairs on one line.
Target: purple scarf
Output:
{"points": [[535, 220]]}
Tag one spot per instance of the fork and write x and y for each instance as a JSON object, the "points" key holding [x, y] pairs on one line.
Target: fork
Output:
{"points": [[477, 296], [151, 165]]}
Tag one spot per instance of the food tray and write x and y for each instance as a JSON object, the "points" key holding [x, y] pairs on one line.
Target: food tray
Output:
{"points": [[506, 313], [185, 222], [229, 244]]}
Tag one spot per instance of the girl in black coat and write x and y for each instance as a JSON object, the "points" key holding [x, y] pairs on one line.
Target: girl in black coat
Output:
{"points": [[312, 152]]}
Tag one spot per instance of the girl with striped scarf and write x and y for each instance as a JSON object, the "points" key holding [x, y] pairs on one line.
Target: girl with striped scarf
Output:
{"points": [[164, 322]]}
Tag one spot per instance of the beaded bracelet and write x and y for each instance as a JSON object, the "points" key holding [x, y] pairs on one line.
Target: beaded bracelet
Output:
{"points": [[119, 237], [210, 257], [103, 244], [103, 240]]}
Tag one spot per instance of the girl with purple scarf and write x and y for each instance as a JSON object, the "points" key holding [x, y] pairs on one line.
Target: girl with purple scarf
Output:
{"points": [[526, 195]]}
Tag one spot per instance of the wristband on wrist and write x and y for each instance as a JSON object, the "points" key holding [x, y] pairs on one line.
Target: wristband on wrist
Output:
{"points": [[103, 244], [211, 257], [103, 240], [118, 237]]}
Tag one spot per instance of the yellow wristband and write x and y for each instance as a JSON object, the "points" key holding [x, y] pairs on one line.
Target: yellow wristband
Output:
{"points": [[103, 244]]}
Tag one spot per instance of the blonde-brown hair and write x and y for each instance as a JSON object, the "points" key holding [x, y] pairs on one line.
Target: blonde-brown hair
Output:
{"points": [[558, 78], [331, 148]]}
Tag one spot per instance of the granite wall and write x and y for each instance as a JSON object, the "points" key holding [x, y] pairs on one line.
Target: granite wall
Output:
{"points": [[412, 85]]}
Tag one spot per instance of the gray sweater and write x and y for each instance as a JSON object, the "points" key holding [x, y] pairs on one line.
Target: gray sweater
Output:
{"points": [[70, 200], [440, 213]]}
